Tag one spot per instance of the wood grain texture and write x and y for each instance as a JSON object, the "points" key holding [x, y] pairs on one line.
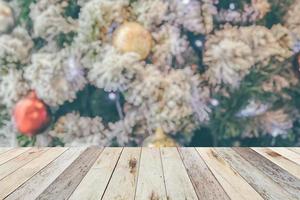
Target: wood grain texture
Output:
{"points": [[233, 183], [149, 173], [2, 150], [39, 182], [65, 184], [151, 179], [282, 177], [10, 154], [19, 161], [291, 155], [16, 179], [205, 183], [280, 160], [295, 149], [94, 183], [177, 181], [123, 181], [263, 184]]}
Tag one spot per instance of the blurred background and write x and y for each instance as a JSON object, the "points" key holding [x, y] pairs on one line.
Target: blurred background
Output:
{"points": [[149, 73]]}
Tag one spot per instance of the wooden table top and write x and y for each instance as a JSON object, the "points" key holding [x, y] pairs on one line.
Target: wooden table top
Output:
{"points": [[149, 173]]}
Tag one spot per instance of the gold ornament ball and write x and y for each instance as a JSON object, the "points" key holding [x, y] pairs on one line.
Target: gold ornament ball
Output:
{"points": [[132, 37], [159, 139]]}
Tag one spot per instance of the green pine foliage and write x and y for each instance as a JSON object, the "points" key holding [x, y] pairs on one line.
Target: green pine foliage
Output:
{"points": [[225, 127]]}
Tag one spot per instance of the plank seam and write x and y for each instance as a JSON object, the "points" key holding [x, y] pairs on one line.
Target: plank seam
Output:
{"points": [[264, 173], [38, 171], [138, 172], [241, 174], [211, 172], [187, 172], [85, 174], [112, 173], [6, 150], [24, 163], [15, 155], [284, 156], [163, 172]]}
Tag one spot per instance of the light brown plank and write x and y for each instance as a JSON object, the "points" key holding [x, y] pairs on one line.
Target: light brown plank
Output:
{"points": [[94, 183], [4, 149], [263, 184], [295, 149], [280, 160], [14, 180], [206, 185], [65, 184], [178, 184], [286, 180], [150, 181], [19, 161], [288, 154], [235, 185], [39, 182], [123, 181], [10, 154]]}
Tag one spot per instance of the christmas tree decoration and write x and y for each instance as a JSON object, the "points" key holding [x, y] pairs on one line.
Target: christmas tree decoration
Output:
{"points": [[31, 115], [234, 51], [13, 87], [292, 19], [121, 70], [74, 130], [16, 48], [159, 139], [56, 77], [132, 37], [113, 71], [7, 19]]}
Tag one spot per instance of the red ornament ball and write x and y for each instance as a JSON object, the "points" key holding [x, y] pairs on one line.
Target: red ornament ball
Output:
{"points": [[31, 115]]}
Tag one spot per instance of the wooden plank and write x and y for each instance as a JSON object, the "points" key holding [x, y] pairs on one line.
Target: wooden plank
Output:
{"points": [[8, 155], [14, 180], [178, 184], [263, 184], [288, 154], [235, 185], [280, 160], [19, 161], [4, 149], [286, 180], [295, 149], [94, 183], [205, 184], [39, 182], [65, 184], [123, 181], [151, 183]]}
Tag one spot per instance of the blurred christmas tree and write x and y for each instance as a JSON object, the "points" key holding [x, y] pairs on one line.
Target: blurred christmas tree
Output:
{"points": [[150, 72]]}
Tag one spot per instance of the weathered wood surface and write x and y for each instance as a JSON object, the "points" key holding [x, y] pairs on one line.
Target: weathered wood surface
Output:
{"points": [[149, 173]]}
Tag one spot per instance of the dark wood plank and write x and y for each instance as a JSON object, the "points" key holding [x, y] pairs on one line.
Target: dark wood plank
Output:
{"points": [[263, 184], [279, 160], [276, 173], [94, 183], [66, 183], [40, 181], [205, 184], [234, 184]]}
